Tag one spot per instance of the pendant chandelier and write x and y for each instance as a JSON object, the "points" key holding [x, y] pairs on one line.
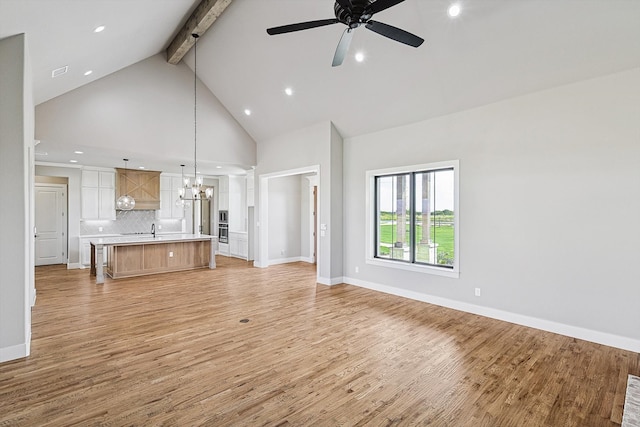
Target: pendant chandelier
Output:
{"points": [[193, 191], [126, 202], [182, 201]]}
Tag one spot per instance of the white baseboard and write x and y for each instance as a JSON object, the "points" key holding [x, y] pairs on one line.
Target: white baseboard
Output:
{"points": [[597, 337], [14, 352], [284, 260], [330, 281], [33, 298], [75, 265]]}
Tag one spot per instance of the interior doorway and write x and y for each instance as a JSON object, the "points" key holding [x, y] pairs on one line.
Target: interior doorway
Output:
{"points": [[270, 232], [205, 216], [50, 224]]}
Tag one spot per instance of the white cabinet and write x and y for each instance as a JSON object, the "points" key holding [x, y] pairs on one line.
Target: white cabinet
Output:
{"points": [[98, 194], [238, 245], [250, 188], [85, 251], [169, 186], [237, 203], [223, 193], [223, 249]]}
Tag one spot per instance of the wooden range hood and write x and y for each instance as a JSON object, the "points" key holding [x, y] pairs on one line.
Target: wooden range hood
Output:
{"points": [[143, 186]]}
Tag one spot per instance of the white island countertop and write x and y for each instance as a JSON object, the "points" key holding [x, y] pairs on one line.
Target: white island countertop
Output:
{"points": [[148, 239]]}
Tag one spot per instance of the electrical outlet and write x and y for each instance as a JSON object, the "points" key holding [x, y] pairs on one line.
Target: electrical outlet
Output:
{"points": [[477, 292], [357, 269], [170, 254], [100, 229], [159, 227]]}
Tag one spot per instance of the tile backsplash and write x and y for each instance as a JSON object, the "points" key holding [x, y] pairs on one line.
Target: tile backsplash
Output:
{"points": [[131, 222]]}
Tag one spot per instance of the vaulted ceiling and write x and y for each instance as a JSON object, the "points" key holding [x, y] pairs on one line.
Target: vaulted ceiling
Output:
{"points": [[495, 49]]}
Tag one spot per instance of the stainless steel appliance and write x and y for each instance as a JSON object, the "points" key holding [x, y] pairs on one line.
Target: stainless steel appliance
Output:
{"points": [[223, 226], [223, 233]]}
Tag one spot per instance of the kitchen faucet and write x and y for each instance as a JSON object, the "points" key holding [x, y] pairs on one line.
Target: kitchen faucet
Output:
{"points": [[153, 230]]}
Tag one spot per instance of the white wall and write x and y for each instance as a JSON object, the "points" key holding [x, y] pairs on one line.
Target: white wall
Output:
{"points": [[549, 208], [317, 145], [146, 110], [284, 218], [306, 202], [16, 218], [336, 190], [74, 183]]}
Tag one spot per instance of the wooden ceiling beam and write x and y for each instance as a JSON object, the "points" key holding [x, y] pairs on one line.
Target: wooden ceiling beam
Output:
{"points": [[199, 22]]}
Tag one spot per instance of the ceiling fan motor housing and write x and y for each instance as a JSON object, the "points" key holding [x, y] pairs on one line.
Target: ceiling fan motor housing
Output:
{"points": [[354, 17]]}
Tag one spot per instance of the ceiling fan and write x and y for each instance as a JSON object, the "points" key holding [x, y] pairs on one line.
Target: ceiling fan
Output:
{"points": [[354, 13]]}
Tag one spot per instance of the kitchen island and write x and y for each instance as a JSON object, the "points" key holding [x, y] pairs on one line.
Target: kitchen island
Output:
{"points": [[129, 256]]}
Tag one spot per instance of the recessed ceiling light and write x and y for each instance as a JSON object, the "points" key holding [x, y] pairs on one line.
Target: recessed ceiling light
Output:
{"points": [[99, 29], [73, 161], [454, 10], [359, 56], [86, 73], [78, 152], [247, 112], [288, 91], [59, 71], [218, 167]]}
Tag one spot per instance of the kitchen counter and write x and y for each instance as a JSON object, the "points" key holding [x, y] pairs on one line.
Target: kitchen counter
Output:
{"points": [[137, 255]]}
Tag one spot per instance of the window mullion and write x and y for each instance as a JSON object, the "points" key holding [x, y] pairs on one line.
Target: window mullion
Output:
{"points": [[412, 219]]}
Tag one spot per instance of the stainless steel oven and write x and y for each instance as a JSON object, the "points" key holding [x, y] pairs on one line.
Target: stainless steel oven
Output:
{"points": [[223, 233], [223, 226]]}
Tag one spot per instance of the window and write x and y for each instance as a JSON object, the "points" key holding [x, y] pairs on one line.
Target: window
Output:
{"points": [[413, 218]]}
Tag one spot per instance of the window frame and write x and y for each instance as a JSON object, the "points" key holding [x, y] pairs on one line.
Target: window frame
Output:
{"points": [[371, 209]]}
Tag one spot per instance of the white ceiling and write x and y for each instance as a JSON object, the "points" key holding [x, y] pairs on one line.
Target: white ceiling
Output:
{"points": [[494, 50]]}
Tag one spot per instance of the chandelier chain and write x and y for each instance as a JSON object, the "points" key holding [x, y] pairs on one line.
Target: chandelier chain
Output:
{"points": [[195, 107]]}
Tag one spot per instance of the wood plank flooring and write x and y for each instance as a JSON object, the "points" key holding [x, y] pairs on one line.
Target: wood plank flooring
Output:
{"points": [[170, 350]]}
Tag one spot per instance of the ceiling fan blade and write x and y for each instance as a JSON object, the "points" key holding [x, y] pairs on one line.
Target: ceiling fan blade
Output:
{"points": [[394, 33], [301, 26], [343, 47], [380, 5]]}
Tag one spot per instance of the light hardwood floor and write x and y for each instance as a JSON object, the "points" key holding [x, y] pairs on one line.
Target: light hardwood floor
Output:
{"points": [[170, 350]]}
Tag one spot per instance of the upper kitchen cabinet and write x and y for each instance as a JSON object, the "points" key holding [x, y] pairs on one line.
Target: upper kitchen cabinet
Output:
{"points": [[250, 188], [237, 203], [98, 199], [169, 187], [223, 193], [143, 186]]}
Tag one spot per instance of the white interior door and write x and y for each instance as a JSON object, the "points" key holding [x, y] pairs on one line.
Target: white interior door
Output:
{"points": [[50, 224]]}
